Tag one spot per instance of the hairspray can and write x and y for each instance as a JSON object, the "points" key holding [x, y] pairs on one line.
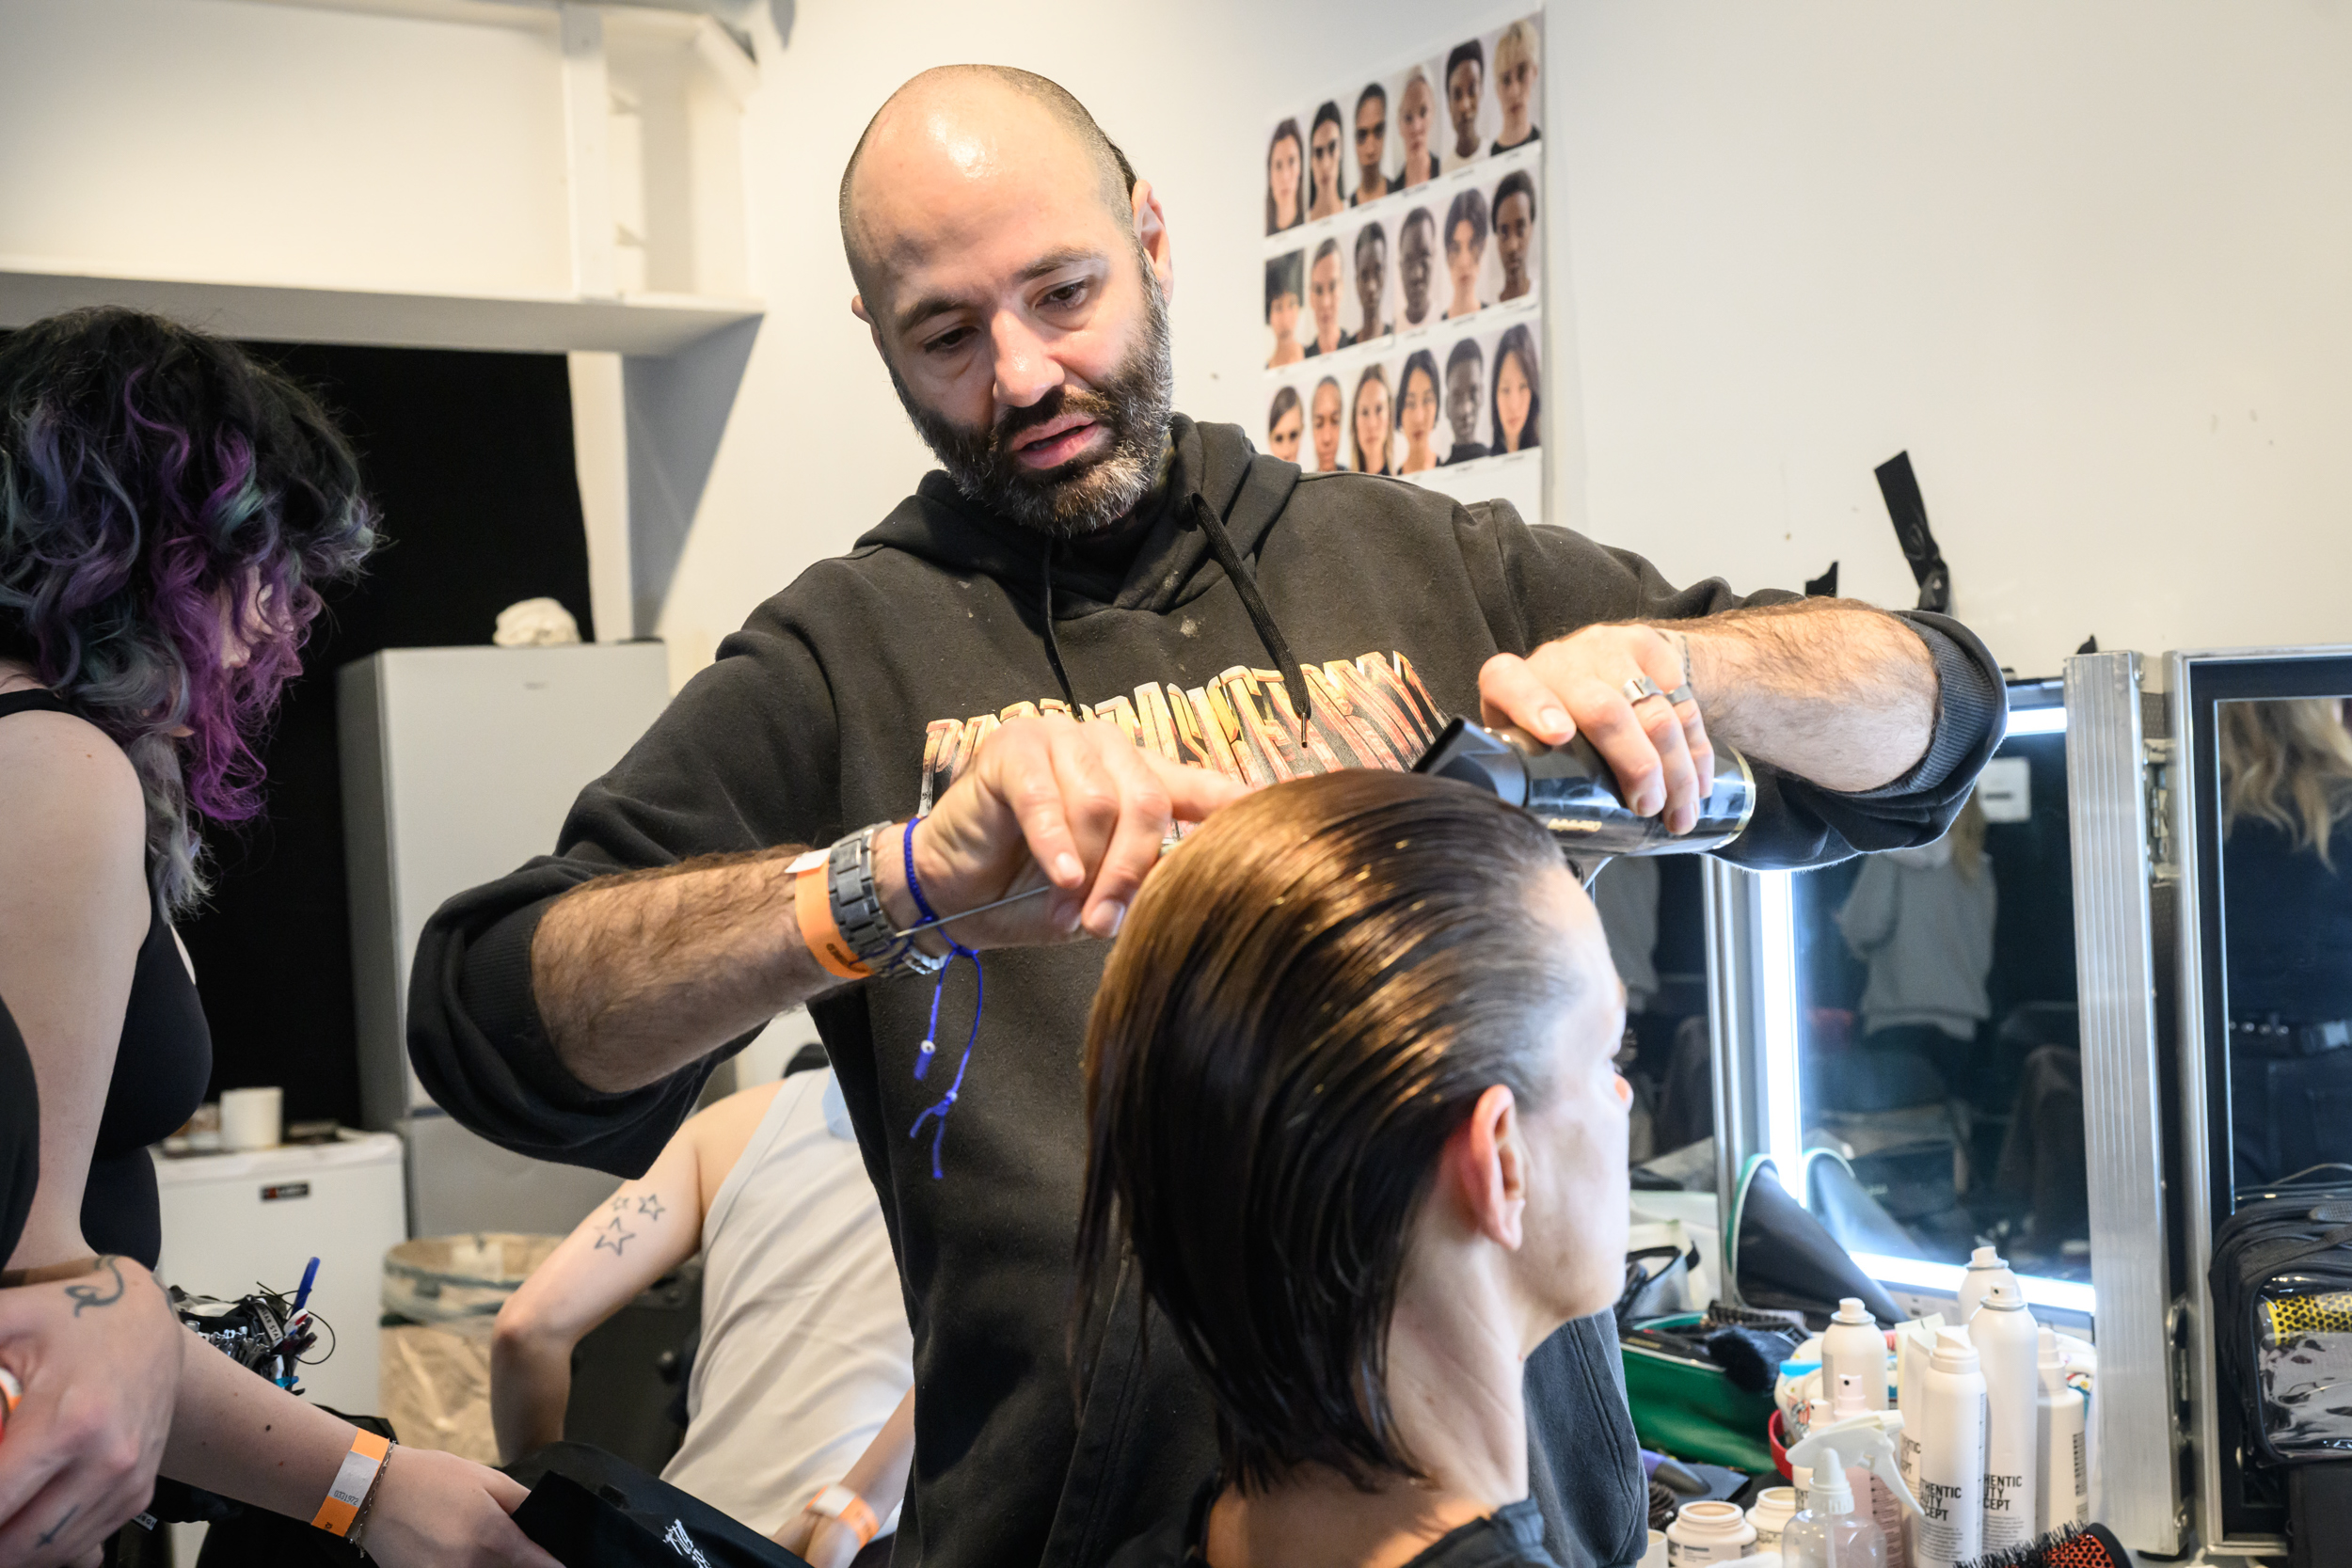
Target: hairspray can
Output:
{"points": [[1855, 1347], [1986, 1269], [1951, 1456], [2007, 1344], [1574, 794]]}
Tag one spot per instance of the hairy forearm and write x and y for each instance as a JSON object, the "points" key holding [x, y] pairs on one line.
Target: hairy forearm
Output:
{"points": [[531, 1386], [1828, 689], [241, 1435], [636, 976]]}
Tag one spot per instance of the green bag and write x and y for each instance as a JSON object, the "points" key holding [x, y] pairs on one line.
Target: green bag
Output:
{"points": [[1691, 1410]]}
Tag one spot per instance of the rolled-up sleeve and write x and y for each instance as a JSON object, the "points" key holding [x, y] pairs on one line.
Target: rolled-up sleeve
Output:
{"points": [[742, 759], [1539, 582]]}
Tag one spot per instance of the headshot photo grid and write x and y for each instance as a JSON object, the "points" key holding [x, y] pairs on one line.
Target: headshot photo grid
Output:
{"points": [[1402, 256]]}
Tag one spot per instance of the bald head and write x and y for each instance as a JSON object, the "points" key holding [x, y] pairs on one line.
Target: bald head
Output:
{"points": [[965, 118]]}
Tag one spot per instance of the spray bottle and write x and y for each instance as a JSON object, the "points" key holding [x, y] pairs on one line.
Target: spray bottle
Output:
{"points": [[1819, 1413], [1830, 1533], [1986, 1269], [2062, 1497], [1854, 1346], [2006, 1339], [1950, 1529]]}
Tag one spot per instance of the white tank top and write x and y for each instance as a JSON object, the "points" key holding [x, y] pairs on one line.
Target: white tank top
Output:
{"points": [[804, 1349]]}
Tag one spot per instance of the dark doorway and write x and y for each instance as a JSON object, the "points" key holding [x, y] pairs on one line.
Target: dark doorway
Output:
{"points": [[468, 457]]}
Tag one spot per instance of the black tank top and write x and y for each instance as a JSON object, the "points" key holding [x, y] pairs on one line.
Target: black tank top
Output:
{"points": [[162, 1066]]}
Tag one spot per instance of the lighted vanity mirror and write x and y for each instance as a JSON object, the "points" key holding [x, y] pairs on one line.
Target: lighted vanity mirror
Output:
{"points": [[1938, 1051], [2264, 808], [2284, 804]]}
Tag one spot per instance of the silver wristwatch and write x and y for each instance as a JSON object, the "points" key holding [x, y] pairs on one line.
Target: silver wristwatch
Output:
{"points": [[857, 909]]}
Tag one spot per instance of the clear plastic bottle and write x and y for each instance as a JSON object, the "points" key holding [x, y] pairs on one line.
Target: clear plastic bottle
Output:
{"points": [[1829, 1533]]}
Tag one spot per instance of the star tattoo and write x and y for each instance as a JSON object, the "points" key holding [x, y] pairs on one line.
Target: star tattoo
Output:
{"points": [[614, 1238], [650, 1206]]}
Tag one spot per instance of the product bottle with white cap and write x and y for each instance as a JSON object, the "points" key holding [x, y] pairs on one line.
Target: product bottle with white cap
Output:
{"points": [[1774, 1507], [1829, 1533], [1915, 1342], [1708, 1532], [1986, 1269], [1854, 1346], [1950, 1529], [2062, 1495], [2007, 1348]]}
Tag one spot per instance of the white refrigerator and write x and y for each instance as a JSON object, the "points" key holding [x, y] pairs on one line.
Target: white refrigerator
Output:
{"points": [[458, 765]]}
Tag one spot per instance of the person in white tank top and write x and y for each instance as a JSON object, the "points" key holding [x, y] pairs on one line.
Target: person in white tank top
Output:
{"points": [[801, 1406]]}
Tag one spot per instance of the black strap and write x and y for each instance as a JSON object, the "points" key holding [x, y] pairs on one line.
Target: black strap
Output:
{"points": [[1246, 584], [40, 700], [1052, 643]]}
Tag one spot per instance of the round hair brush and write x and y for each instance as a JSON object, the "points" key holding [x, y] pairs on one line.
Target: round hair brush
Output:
{"points": [[2075, 1546]]}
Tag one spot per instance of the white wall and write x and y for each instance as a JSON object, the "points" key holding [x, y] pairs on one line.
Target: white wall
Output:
{"points": [[240, 142], [2086, 261]]}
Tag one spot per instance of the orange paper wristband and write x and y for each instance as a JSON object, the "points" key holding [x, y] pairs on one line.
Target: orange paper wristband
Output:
{"points": [[351, 1483], [812, 900], [840, 1503]]}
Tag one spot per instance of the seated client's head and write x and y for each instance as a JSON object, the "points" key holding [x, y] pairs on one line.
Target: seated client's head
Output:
{"points": [[1352, 1108]]}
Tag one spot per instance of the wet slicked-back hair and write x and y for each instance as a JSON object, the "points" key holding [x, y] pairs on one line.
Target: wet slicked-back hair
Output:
{"points": [[1117, 177], [1307, 1001]]}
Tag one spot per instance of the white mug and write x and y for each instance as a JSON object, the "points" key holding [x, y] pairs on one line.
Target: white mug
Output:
{"points": [[250, 1118]]}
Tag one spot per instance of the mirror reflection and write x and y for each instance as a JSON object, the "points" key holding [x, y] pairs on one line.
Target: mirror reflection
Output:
{"points": [[2285, 766], [1939, 1051]]}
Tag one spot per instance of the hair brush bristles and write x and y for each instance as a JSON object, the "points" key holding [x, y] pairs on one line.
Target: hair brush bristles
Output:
{"points": [[2075, 1546]]}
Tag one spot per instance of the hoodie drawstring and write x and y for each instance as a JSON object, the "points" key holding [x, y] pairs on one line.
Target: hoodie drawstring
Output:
{"points": [[1246, 584], [1053, 644]]}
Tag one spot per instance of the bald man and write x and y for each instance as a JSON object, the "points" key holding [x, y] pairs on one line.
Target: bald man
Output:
{"points": [[1099, 620]]}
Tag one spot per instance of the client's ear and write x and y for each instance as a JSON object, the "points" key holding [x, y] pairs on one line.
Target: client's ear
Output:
{"points": [[1486, 1162]]}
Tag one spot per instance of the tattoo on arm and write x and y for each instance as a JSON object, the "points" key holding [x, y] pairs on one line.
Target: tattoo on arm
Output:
{"points": [[614, 1239], [51, 1533], [650, 1206], [95, 1296]]}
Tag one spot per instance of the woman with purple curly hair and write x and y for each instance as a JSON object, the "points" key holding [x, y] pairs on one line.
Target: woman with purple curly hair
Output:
{"points": [[168, 511]]}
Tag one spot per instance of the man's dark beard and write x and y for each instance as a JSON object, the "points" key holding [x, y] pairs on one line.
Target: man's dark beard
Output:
{"points": [[1085, 494]]}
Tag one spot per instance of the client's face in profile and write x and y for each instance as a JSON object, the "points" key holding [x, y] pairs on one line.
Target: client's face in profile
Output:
{"points": [[1571, 1257]]}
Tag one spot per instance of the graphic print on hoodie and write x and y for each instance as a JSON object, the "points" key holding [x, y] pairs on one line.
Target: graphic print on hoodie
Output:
{"points": [[1370, 712]]}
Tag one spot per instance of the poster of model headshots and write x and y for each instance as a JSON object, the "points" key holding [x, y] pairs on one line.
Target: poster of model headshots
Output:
{"points": [[1403, 266]]}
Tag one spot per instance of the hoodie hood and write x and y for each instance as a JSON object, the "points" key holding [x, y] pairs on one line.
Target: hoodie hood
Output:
{"points": [[1171, 566]]}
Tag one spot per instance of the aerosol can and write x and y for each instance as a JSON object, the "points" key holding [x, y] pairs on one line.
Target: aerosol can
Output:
{"points": [[1571, 790]]}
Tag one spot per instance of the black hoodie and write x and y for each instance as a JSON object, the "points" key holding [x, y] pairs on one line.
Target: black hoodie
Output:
{"points": [[850, 697]]}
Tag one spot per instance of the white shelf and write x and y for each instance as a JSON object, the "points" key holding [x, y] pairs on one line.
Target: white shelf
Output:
{"points": [[649, 324]]}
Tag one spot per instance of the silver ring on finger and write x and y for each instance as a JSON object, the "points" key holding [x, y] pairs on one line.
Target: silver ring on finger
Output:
{"points": [[1641, 688], [1682, 694]]}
